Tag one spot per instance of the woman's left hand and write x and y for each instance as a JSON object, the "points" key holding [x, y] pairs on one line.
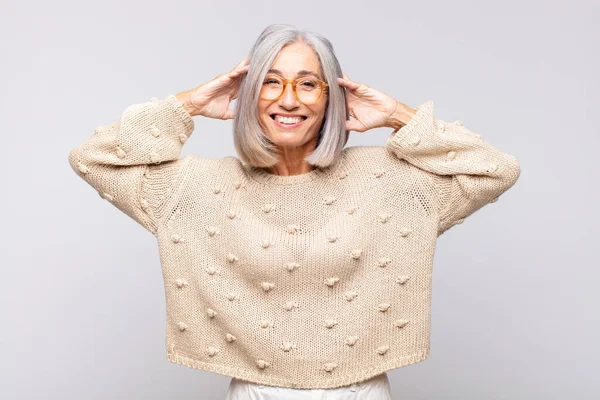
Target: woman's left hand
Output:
{"points": [[370, 108]]}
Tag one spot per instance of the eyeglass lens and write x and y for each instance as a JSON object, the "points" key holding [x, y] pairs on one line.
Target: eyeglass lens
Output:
{"points": [[308, 89]]}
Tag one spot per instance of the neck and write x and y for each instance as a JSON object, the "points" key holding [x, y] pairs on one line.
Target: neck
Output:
{"points": [[291, 160]]}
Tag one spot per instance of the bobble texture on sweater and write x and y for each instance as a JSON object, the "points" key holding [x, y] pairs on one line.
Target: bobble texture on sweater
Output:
{"points": [[316, 280]]}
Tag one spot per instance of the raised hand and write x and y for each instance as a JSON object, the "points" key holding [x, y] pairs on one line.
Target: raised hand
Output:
{"points": [[370, 108], [212, 98]]}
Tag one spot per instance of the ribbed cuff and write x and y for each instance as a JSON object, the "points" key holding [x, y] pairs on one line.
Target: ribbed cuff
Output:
{"points": [[420, 123], [186, 118]]}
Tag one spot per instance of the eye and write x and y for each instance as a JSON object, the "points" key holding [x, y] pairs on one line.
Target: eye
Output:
{"points": [[272, 81], [309, 83]]}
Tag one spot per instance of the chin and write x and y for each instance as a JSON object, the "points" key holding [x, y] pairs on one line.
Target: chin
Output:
{"points": [[286, 139]]}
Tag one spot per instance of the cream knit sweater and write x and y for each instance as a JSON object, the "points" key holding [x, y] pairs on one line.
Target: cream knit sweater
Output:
{"points": [[317, 280]]}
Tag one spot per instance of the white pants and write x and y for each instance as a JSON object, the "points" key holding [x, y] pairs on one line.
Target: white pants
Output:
{"points": [[376, 388]]}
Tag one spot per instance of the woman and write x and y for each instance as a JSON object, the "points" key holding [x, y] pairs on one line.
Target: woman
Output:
{"points": [[303, 268]]}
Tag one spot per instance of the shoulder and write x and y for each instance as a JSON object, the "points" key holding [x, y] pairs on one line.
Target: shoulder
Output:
{"points": [[227, 162], [371, 157], [353, 151], [214, 169], [380, 160]]}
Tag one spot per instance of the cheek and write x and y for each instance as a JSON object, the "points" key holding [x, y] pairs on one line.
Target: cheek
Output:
{"points": [[323, 108], [263, 117], [318, 111], [262, 109]]}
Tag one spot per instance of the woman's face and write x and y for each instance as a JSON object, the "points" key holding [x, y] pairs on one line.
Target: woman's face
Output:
{"points": [[289, 62]]}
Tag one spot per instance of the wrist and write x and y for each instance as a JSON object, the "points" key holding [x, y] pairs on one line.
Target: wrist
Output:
{"points": [[184, 99], [401, 116]]}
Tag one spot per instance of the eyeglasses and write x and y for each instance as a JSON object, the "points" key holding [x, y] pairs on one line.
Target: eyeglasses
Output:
{"points": [[307, 89]]}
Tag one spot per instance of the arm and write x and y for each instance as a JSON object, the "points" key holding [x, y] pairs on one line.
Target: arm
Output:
{"points": [[468, 172], [133, 162]]}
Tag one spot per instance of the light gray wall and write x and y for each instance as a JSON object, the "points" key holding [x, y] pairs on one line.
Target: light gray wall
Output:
{"points": [[515, 300]]}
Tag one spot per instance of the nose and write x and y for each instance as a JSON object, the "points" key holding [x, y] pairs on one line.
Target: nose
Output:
{"points": [[288, 99]]}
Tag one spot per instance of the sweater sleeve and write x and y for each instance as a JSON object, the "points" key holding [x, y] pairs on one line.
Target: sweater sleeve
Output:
{"points": [[133, 162], [467, 172]]}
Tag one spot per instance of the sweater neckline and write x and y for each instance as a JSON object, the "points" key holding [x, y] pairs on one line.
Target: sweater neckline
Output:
{"points": [[263, 176]]}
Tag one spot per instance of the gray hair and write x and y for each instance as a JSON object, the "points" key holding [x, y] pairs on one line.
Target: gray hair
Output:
{"points": [[252, 145]]}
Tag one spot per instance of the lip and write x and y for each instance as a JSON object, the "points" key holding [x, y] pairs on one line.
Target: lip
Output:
{"points": [[287, 115], [288, 126]]}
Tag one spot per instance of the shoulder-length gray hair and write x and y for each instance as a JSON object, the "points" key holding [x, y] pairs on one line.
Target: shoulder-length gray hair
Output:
{"points": [[252, 145]]}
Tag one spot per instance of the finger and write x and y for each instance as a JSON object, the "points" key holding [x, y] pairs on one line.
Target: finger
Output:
{"points": [[234, 95], [347, 79], [245, 61], [350, 112], [242, 66], [229, 114], [238, 71], [354, 125], [348, 83]]}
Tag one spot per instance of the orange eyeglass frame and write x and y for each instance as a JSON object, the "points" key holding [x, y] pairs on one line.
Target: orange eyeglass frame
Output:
{"points": [[294, 82]]}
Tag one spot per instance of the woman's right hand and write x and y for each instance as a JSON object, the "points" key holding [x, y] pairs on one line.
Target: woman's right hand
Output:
{"points": [[212, 98]]}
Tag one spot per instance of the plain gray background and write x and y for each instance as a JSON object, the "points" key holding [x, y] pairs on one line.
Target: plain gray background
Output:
{"points": [[515, 295]]}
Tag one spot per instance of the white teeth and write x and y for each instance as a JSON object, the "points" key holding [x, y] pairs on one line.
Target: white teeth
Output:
{"points": [[287, 120]]}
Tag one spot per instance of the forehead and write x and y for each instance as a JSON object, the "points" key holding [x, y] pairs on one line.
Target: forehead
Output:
{"points": [[296, 57]]}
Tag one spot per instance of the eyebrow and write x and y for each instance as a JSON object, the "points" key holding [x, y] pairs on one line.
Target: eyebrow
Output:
{"points": [[300, 73]]}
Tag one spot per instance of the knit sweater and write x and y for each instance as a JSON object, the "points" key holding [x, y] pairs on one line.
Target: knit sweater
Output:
{"points": [[308, 281]]}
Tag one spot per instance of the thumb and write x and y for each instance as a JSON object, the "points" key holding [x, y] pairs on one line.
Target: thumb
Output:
{"points": [[229, 114], [354, 125]]}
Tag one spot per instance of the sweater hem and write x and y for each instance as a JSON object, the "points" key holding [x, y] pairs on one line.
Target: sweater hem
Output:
{"points": [[316, 383]]}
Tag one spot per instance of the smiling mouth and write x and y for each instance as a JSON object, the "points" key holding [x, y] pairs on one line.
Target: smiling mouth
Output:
{"points": [[287, 125], [301, 116]]}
